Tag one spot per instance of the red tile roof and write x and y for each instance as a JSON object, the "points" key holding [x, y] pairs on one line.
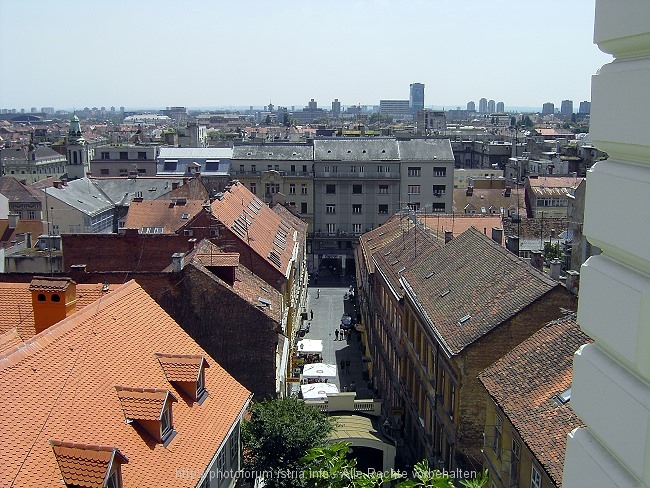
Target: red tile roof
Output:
{"points": [[73, 368], [256, 225], [85, 465], [9, 340], [17, 311], [143, 403], [34, 227], [162, 213], [46, 283], [525, 383], [181, 367]]}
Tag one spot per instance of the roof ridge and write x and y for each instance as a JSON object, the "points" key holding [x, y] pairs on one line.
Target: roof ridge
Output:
{"points": [[41, 340]]}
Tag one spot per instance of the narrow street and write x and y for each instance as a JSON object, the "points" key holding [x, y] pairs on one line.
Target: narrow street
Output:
{"points": [[328, 309]]}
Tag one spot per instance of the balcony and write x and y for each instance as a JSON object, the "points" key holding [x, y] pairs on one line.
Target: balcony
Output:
{"points": [[354, 176]]}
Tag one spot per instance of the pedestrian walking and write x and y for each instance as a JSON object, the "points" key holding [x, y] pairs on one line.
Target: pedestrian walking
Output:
{"points": [[347, 365], [311, 314], [318, 293], [336, 333]]}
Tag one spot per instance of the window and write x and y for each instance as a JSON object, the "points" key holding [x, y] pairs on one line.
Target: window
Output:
{"points": [[142, 155], [170, 165], [360, 169], [414, 171], [124, 172], [234, 444], [357, 189], [380, 169], [303, 207], [335, 169], [124, 155], [271, 188], [383, 189], [221, 463], [105, 155], [277, 167], [104, 172], [439, 171], [241, 168], [356, 208], [331, 228], [326, 169], [303, 189], [166, 422], [414, 189], [292, 188], [269, 167], [496, 438], [114, 480], [293, 168], [353, 169], [142, 171], [330, 209], [514, 463], [31, 215], [452, 400], [304, 168], [535, 478], [383, 209], [356, 229], [439, 190], [330, 189], [254, 188], [438, 207], [253, 168], [200, 384], [415, 206]]}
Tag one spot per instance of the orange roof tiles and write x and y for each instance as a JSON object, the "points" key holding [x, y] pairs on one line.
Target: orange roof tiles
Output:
{"points": [[16, 305], [85, 465], [181, 367], [72, 369], [230, 259], [255, 224], [162, 213], [9, 339], [143, 403]]}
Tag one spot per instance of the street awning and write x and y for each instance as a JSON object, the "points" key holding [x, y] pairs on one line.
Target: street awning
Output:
{"points": [[310, 345], [319, 370], [318, 391]]}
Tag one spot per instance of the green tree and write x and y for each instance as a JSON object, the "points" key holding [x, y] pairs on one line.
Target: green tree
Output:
{"points": [[329, 467], [277, 436]]}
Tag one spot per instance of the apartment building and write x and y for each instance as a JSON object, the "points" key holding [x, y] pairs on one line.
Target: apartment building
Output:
{"points": [[278, 173], [528, 413], [437, 315], [124, 160], [360, 183]]}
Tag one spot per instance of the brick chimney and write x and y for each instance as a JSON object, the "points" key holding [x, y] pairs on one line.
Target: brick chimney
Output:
{"points": [[449, 235], [53, 299], [12, 221], [497, 235], [536, 260]]}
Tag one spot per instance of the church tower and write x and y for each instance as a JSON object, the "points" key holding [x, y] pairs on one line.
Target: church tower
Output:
{"points": [[78, 153]]}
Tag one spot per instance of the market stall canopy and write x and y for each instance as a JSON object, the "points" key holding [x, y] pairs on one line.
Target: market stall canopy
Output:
{"points": [[310, 345], [318, 391], [319, 370]]}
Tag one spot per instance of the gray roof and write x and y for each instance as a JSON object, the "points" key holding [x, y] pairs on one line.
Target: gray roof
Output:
{"points": [[83, 195], [122, 191], [358, 149], [279, 152], [425, 150], [195, 157], [195, 153]]}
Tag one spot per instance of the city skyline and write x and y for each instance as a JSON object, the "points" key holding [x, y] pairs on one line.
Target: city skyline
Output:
{"points": [[149, 54]]}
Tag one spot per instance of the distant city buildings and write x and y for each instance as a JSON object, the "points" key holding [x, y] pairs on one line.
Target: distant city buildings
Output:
{"points": [[500, 107], [483, 105], [566, 109], [491, 106], [416, 98], [471, 107], [548, 108], [585, 108]]}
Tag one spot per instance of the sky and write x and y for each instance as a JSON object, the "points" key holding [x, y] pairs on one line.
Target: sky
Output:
{"points": [[71, 54]]}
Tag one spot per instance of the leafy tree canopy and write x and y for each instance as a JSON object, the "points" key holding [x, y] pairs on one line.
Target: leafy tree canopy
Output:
{"points": [[278, 434]]}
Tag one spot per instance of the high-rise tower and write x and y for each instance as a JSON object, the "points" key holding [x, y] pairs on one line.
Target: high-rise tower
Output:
{"points": [[416, 97]]}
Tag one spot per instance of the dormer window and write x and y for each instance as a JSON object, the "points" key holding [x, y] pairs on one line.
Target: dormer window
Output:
{"points": [[186, 372], [150, 409], [89, 465]]}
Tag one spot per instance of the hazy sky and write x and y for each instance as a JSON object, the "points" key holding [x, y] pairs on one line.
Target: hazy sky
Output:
{"points": [[207, 53]]}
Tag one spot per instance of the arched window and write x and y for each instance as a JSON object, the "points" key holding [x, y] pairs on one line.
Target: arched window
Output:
{"points": [[56, 298], [41, 297], [74, 157]]}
